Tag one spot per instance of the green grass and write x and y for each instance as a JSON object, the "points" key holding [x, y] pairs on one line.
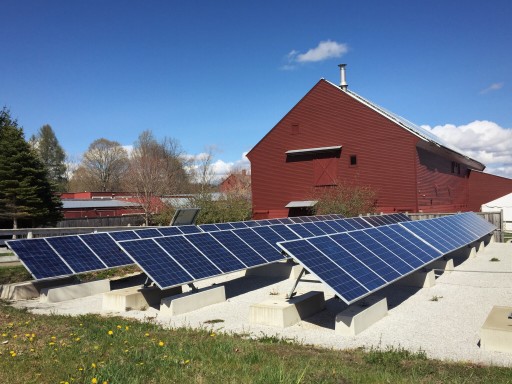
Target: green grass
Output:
{"points": [[59, 349], [14, 274]]}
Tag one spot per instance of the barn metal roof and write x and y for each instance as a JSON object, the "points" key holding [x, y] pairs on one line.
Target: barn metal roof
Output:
{"points": [[422, 133], [82, 204]]}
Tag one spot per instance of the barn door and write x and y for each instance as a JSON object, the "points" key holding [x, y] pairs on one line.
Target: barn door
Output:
{"points": [[325, 171]]}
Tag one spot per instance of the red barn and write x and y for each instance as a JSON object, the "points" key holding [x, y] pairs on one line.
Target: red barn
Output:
{"points": [[333, 134]]}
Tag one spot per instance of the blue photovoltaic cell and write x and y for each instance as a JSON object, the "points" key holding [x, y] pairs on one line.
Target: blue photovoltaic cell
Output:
{"points": [[76, 254], [274, 221], [39, 258], [360, 221], [300, 230], [170, 231], [251, 223], [186, 255], [296, 219], [123, 235], [325, 227], [268, 234], [336, 228], [305, 219], [314, 229], [374, 221], [420, 249], [208, 227], [285, 232], [314, 218], [187, 229], [106, 248], [368, 239], [147, 233], [224, 226], [156, 263], [345, 260], [326, 270], [381, 268], [222, 258], [238, 224], [263, 222], [237, 247], [402, 249], [259, 244], [345, 223], [425, 235], [286, 220]]}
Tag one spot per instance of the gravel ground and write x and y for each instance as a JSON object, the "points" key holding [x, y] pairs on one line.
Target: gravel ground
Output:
{"points": [[446, 329]]}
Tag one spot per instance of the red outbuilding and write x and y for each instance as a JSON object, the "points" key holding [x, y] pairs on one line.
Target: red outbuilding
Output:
{"points": [[332, 135]]}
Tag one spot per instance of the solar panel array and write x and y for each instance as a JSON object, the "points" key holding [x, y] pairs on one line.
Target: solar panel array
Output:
{"points": [[177, 260], [357, 263]]}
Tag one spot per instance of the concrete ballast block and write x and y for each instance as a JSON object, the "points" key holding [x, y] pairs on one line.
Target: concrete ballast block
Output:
{"points": [[444, 265], [19, 291], [419, 279], [285, 270], [496, 332], [75, 291], [135, 298], [279, 312], [190, 301], [361, 315]]}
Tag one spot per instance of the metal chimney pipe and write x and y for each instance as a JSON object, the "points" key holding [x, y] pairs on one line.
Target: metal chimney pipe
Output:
{"points": [[343, 83]]}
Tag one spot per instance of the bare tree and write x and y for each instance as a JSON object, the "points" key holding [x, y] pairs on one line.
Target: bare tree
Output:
{"points": [[103, 165], [156, 168]]}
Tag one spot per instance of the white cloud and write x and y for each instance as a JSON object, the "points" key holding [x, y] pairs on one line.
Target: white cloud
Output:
{"points": [[220, 167], [323, 51], [484, 141], [491, 88]]}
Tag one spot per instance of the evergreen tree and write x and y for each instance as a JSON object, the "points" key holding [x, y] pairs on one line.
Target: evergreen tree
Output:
{"points": [[51, 154], [25, 190]]}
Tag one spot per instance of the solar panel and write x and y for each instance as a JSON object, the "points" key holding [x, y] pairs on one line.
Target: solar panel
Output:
{"points": [[285, 232], [237, 247], [259, 244], [76, 254], [186, 229], [313, 228], [238, 224], [270, 235], [106, 248], [296, 219], [208, 227], [185, 254], [39, 258], [170, 231], [156, 263], [286, 220], [147, 233], [221, 257], [124, 235], [251, 223], [300, 230]]}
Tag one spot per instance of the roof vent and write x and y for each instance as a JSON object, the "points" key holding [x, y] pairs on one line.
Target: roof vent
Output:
{"points": [[343, 83]]}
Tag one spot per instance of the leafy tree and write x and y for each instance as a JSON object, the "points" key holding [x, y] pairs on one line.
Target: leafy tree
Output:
{"points": [[345, 198], [156, 168], [26, 192], [103, 166], [51, 154]]}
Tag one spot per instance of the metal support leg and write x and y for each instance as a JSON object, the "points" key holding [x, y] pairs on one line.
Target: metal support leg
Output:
{"points": [[148, 282], [292, 292], [193, 287]]}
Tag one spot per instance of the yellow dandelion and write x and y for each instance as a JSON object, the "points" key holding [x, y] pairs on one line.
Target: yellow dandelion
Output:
{"points": [[119, 327], [30, 339], [32, 350], [160, 343], [187, 361], [94, 380], [27, 334], [33, 335], [15, 336], [105, 382], [51, 343], [127, 327], [80, 369], [212, 334], [77, 339], [110, 332], [146, 334], [53, 337], [81, 325], [93, 365], [13, 354], [4, 334]]}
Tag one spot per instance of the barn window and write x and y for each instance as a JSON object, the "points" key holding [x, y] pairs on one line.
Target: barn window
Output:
{"points": [[324, 162], [353, 159], [455, 167]]}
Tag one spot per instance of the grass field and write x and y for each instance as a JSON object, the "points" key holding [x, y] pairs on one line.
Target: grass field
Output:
{"points": [[93, 349]]}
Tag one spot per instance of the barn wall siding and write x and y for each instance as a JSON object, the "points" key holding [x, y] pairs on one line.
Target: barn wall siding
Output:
{"points": [[484, 187]]}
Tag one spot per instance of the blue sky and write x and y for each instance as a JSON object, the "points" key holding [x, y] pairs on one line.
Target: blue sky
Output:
{"points": [[223, 73]]}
